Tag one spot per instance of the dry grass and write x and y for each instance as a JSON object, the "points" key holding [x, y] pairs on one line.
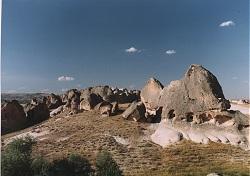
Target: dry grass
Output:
{"points": [[87, 133]]}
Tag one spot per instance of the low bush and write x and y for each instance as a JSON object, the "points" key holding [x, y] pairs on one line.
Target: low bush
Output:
{"points": [[40, 166], [15, 159], [106, 165], [74, 165]]}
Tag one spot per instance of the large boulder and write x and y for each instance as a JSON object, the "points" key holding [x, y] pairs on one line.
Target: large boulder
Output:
{"points": [[198, 91], [136, 111], [36, 113], [54, 101], [89, 101], [75, 105], [57, 111], [12, 117], [73, 93], [103, 91], [104, 108], [150, 95]]}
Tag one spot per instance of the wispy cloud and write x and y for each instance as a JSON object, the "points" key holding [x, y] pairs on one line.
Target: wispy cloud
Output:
{"points": [[227, 24], [65, 78], [170, 52], [132, 50], [234, 77]]}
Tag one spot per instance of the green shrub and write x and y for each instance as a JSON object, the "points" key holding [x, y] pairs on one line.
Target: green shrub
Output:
{"points": [[40, 167], [106, 165], [74, 165], [79, 165], [23, 145], [15, 160]]}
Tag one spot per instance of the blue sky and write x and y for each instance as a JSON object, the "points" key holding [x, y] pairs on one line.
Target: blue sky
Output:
{"points": [[61, 44]]}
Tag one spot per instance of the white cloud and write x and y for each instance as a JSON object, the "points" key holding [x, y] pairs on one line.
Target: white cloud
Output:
{"points": [[66, 78], [170, 52], [234, 77], [132, 50], [227, 24]]}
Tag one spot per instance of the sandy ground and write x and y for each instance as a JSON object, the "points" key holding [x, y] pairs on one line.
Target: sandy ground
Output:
{"points": [[245, 109]]}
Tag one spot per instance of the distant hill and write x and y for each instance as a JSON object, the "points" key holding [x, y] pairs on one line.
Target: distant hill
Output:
{"points": [[22, 98]]}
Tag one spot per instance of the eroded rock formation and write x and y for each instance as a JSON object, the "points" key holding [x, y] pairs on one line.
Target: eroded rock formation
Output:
{"points": [[198, 91], [150, 95], [36, 112], [194, 108], [12, 117]]}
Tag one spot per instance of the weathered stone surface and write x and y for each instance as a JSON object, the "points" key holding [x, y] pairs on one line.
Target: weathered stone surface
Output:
{"points": [[226, 127], [54, 101], [73, 93], [103, 91], [105, 108], [36, 112], [57, 111], [198, 91], [90, 101], [135, 111], [150, 95], [165, 135], [75, 104], [12, 117], [115, 107], [196, 108]]}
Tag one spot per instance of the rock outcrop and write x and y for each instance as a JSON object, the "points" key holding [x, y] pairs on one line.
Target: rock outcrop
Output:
{"points": [[12, 117], [36, 113], [89, 101], [198, 91], [54, 101], [150, 95], [136, 111], [104, 108], [194, 108]]}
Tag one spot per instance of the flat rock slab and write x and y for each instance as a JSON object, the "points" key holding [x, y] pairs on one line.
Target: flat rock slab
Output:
{"points": [[165, 135]]}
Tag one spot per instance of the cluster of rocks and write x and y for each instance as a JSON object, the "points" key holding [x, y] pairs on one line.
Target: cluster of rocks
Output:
{"points": [[15, 116], [193, 108], [100, 98]]}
